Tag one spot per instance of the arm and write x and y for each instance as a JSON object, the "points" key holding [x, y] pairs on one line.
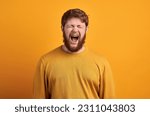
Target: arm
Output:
{"points": [[40, 83], [107, 89]]}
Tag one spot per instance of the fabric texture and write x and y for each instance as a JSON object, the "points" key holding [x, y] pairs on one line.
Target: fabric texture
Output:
{"points": [[61, 75]]}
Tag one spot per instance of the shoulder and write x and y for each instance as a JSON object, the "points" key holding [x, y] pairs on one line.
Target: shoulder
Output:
{"points": [[102, 63], [98, 58], [51, 55]]}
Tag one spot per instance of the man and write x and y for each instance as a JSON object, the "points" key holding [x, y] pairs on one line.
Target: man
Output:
{"points": [[71, 70]]}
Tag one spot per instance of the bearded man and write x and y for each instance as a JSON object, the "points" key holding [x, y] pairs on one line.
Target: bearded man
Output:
{"points": [[71, 70]]}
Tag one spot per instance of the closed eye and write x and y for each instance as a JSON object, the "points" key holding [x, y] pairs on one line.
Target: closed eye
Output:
{"points": [[79, 26]]}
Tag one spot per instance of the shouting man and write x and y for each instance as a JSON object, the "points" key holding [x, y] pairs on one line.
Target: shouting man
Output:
{"points": [[71, 70]]}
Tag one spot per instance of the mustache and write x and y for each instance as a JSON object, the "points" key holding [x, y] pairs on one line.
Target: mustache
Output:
{"points": [[79, 46], [76, 34]]}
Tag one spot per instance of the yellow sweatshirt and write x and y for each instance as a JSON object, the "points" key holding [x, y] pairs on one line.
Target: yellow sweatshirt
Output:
{"points": [[62, 75]]}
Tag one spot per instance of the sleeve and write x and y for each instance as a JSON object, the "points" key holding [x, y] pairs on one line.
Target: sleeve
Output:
{"points": [[107, 88], [39, 82]]}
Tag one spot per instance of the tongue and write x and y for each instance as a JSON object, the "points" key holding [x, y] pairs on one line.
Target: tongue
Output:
{"points": [[74, 39]]}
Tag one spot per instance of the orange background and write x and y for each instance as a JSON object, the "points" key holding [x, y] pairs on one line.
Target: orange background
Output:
{"points": [[118, 30]]}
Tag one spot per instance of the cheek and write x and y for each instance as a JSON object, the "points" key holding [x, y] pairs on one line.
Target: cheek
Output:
{"points": [[67, 32], [82, 33]]}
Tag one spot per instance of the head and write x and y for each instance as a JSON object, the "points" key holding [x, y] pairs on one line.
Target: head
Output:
{"points": [[74, 25]]}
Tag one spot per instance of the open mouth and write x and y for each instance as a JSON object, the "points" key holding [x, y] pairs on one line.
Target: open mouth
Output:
{"points": [[75, 37]]}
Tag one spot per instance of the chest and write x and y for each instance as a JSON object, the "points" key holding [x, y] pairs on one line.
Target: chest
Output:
{"points": [[73, 72]]}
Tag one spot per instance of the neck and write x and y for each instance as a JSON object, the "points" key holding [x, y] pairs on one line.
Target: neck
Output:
{"points": [[68, 51]]}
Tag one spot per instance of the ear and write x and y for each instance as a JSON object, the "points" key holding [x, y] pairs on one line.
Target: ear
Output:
{"points": [[62, 28], [86, 28]]}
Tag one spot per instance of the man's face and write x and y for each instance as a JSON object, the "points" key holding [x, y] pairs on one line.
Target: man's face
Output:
{"points": [[74, 33]]}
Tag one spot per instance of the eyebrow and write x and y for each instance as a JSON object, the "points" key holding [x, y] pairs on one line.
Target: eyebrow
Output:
{"points": [[74, 25]]}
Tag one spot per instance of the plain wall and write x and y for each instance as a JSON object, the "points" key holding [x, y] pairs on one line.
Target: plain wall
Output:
{"points": [[119, 30]]}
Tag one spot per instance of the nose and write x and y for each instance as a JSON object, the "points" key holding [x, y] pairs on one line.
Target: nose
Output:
{"points": [[75, 29]]}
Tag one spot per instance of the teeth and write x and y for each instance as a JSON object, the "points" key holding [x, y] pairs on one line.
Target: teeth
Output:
{"points": [[74, 38]]}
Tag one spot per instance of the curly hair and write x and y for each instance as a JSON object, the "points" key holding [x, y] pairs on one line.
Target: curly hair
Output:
{"points": [[77, 13]]}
